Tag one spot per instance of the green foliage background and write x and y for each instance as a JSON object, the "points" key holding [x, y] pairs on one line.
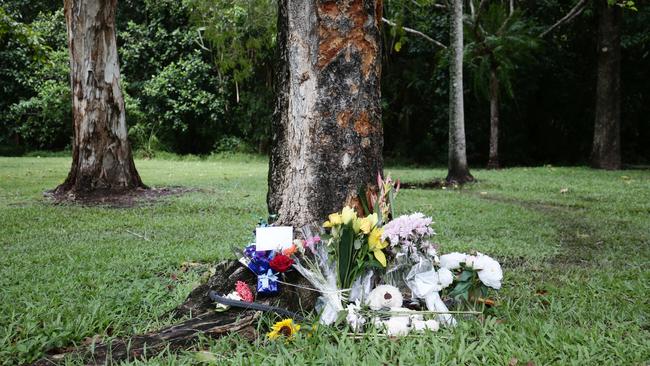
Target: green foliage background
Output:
{"points": [[198, 78]]}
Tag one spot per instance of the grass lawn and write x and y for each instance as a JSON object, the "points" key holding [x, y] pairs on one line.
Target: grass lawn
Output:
{"points": [[575, 289]]}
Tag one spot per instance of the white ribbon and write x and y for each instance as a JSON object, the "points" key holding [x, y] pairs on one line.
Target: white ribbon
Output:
{"points": [[266, 277], [426, 285]]}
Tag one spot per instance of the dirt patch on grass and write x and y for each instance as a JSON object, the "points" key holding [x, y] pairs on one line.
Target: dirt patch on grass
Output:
{"points": [[119, 199], [513, 262], [578, 245], [435, 184], [432, 184]]}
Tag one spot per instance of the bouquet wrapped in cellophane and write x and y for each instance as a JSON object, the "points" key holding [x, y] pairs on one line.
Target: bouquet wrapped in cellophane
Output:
{"points": [[372, 269]]}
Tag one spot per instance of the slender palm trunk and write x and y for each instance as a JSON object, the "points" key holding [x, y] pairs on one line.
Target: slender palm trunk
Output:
{"points": [[606, 148], [101, 156], [327, 135], [493, 162], [458, 171]]}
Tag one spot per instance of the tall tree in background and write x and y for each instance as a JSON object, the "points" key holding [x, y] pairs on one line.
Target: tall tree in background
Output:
{"points": [[458, 170], [500, 39], [101, 156], [327, 133], [606, 148]]}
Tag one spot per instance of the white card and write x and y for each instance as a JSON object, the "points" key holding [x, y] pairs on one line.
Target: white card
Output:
{"points": [[273, 237]]}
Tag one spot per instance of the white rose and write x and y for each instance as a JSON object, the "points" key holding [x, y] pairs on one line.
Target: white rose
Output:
{"points": [[470, 260], [479, 260], [489, 271], [452, 260]]}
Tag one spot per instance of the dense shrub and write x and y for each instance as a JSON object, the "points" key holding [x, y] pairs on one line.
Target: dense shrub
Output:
{"points": [[197, 76], [184, 106]]}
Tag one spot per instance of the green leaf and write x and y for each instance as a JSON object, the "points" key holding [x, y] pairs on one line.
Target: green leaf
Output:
{"points": [[484, 290], [466, 275], [346, 254], [398, 46], [391, 200], [461, 288], [465, 295]]}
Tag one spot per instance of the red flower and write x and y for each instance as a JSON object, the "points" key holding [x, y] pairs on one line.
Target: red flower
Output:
{"points": [[243, 291], [280, 263]]}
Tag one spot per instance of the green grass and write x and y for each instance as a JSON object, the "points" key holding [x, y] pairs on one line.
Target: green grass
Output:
{"points": [[576, 264]]}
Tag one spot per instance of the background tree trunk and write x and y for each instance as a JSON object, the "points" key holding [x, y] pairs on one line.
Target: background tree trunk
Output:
{"points": [[606, 149], [327, 134], [101, 157], [493, 162], [458, 170]]}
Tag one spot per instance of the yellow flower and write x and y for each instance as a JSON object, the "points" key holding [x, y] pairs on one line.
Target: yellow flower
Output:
{"points": [[366, 224], [285, 328], [356, 225], [334, 219], [348, 214], [376, 245]]}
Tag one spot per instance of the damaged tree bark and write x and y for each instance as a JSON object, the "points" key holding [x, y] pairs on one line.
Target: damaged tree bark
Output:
{"points": [[101, 156], [327, 135]]}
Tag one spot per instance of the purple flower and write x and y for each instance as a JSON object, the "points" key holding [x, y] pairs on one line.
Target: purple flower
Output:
{"points": [[409, 232]]}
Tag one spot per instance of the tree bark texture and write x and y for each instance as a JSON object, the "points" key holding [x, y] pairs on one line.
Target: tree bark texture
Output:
{"points": [[493, 162], [606, 148], [458, 170], [327, 135], [101, 157]]}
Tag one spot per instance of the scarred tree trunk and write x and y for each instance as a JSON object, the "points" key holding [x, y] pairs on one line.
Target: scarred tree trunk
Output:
{"points": [[458, 170], [101, 157], [606, 149], [493, 162], [327, 135]]}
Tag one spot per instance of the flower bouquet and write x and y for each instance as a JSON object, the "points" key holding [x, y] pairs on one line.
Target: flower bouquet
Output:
{"points": [[374, 259], [372, 269]]}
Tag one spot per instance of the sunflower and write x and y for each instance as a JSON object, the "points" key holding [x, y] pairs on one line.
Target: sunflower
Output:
{"points": [[285, 328]]}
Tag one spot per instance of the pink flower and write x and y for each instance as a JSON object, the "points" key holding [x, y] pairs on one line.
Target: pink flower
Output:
{"points": [[243, 291], [312, 241]]}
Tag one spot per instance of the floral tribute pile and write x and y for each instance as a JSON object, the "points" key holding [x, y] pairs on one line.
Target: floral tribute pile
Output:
{"points": [[374, 270]]}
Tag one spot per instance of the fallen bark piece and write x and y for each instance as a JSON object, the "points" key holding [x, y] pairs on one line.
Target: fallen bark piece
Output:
{"points": [[175, 337], [203, 320]]}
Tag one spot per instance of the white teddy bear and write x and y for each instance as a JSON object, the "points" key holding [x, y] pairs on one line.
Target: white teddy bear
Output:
{"points": [[386, 297]]}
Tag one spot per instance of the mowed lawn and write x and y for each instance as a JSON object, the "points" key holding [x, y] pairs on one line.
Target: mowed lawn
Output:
{"points": [[576, 287]]}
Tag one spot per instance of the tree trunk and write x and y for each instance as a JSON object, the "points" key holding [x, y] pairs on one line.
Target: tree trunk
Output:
{"points": [[327, 134], [458, 170], [493, 162], [101, 156], [606, 149]]}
